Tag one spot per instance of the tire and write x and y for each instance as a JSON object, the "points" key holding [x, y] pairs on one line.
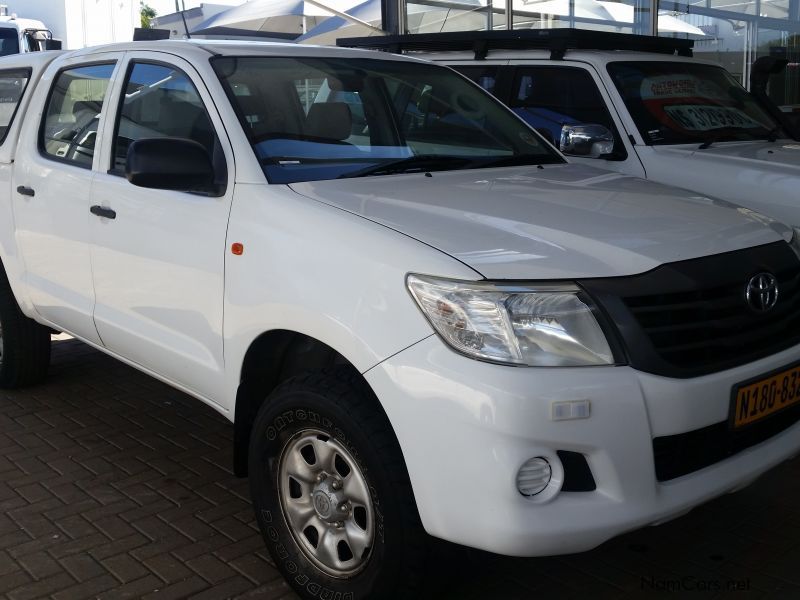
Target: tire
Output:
{"points": [[24, 344], [331, 424]]}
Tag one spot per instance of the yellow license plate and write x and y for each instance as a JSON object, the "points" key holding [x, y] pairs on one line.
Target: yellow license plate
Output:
{"points": [[764, 397]]}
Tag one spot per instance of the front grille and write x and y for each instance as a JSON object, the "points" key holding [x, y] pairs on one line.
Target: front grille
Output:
{"points": [[684, 453], [691, 318]]}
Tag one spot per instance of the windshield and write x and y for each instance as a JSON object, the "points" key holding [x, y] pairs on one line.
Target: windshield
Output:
{"points": [[9, 41], [682, 103], [325, 118]]}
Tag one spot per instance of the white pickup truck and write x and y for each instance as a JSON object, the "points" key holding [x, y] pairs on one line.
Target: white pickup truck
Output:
{"points": [[419, 317], [25, 35], [632, 104]]}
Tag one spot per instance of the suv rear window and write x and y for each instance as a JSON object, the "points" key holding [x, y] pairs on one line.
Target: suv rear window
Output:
{"points": [[12, 87]]}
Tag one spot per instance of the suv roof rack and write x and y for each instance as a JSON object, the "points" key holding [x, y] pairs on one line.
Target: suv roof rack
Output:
{"points": [[558, 41]]}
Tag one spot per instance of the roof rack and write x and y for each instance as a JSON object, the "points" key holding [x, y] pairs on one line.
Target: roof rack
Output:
{"points": [[558, 41]]}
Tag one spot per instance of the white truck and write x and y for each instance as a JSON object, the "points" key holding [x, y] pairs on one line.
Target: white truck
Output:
{"points": [[633, 104], [420, 318], [19, 35]]}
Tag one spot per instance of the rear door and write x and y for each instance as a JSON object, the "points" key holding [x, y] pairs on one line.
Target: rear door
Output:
{"points": [[52, 182]]}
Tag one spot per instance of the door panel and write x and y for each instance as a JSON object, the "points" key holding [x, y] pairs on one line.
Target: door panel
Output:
{"points": [[52, 213], [159, 264]]}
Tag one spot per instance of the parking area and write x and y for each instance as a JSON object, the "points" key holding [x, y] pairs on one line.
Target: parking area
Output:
{"points": [[113, 485]]}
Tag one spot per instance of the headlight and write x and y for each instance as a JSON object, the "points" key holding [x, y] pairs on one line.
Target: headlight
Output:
{"points": [[548, 325]]}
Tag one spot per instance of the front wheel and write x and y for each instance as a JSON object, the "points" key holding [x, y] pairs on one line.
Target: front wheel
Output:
{"points": [[332, 494]]}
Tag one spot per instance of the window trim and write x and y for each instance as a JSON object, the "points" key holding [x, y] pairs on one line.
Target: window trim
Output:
{"points": [[46, 106], [29, 71]]}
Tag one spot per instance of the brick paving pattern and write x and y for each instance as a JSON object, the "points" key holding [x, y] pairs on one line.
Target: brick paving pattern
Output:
{"points": [[113, 486]]}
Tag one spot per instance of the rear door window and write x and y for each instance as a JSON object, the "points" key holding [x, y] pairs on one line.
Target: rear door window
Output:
{"points": [[69, 131], [12, 87]]}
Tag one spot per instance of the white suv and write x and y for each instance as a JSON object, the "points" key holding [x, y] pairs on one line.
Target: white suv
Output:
{"points": [[633, 104], [420, 318]]}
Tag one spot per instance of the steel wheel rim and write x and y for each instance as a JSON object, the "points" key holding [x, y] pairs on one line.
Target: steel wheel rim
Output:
{"points": [[326, 503]]}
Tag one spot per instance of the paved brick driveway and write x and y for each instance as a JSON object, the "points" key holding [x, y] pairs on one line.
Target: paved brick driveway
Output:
{"points": [[113, 485]]}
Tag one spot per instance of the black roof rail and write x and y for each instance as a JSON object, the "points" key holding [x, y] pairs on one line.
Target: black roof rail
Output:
{"points": [[558, 41]]}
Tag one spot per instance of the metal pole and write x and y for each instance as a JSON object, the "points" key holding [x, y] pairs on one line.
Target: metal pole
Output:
{"points": [[509, 14], [654, 17], [390, 15]]}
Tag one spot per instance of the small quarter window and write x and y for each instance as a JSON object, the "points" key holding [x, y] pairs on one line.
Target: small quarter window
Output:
{"points": [[12, 87], [69, 132]]}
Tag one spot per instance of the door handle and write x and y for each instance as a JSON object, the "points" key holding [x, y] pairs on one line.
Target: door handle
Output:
{"points": [[26, 191], [102, 211]]}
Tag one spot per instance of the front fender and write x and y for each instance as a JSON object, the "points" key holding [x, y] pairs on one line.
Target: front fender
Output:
{"points": [[323, 272]]}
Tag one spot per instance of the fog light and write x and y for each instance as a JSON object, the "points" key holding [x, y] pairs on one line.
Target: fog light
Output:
{"points": [[533, 476]]}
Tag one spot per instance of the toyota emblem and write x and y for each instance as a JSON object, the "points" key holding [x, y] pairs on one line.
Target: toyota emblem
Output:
{"points": [[762, 292]]}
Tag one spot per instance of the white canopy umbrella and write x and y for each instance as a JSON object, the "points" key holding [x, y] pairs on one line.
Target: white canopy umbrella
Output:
{"points": [[442, 15], [666, 23], [670, 24], [274, 16], [584, 9], [446, 15]]}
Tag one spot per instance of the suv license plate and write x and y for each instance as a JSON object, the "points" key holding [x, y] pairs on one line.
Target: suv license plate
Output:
{"points": [[759, 399]]}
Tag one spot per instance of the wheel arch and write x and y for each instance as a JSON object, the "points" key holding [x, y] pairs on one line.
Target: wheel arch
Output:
{"points": [[273, 357]]}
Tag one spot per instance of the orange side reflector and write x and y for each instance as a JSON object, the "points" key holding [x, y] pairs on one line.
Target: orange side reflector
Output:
{"points": [[237, 248]]}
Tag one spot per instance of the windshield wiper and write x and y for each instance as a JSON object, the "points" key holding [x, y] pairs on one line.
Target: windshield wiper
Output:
{"points": [[410, 164], [709, 141], [716, 135]]}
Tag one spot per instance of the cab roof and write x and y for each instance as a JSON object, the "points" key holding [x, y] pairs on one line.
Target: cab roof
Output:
{"points": [[201, 49]]}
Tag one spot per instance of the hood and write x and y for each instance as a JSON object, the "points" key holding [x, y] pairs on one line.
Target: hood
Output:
{"points": [[564, 221], [779, 156]]}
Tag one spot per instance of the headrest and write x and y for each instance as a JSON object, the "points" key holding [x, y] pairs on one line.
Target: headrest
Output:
{"points": [[329, 120]]}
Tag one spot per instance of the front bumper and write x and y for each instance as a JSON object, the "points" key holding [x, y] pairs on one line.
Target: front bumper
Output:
{"points": [[465, 428]]}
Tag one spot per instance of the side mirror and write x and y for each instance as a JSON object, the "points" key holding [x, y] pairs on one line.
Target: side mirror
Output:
{"points": [[170, 164], [588, 140]]}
